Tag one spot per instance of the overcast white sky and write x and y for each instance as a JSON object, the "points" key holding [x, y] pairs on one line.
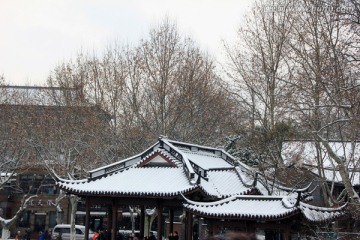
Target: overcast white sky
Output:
{"points": [[35, 35]]}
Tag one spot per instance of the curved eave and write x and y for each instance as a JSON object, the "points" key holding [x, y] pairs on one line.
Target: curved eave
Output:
{"points": [[129, 194], [302, 190], [278, 185], [240, 208], [326, 214], [248, 217], [325, 220]]}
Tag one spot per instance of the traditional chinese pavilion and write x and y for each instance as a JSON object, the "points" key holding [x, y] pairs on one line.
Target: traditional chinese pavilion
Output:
{"points": [[207, 184]]}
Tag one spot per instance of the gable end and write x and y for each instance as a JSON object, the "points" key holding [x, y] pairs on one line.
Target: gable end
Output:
{"points": [[158, 158]]}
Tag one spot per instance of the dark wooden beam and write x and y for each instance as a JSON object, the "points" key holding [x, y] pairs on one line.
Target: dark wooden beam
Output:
{"points": [[160, 228], [171, 219], [87, 218], [110, 219], [188, 227], [142, 221], [286, 234], [141, 201], [272, 226], [114, 221]]}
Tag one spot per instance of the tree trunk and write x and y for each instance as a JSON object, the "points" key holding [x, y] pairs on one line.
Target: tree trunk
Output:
{"points": [[5, 233], [73, 202], [354, 197]]}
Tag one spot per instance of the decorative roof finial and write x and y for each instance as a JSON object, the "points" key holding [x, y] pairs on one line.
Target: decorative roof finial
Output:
{"points": [[255, 179], [163, 136], [298, 198]]}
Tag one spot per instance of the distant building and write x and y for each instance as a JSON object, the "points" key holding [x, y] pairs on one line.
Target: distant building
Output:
{"points": [[45, 125], [305, 154]]}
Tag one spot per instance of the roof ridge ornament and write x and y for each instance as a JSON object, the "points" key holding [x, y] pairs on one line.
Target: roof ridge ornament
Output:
{"points": [[298, 199], [163, 137], [255, 179]]}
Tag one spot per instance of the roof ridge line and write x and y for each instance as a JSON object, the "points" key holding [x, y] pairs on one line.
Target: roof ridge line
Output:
{"points": [[185, 160]]}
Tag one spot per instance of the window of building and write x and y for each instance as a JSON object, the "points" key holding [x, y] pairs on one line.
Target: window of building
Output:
{"points": [[52, 219], [48, 187], [30, 183], [24, 220], [39, 222], [37, 184]]}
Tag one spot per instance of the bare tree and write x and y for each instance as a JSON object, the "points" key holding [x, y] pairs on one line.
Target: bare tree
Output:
{"points": [[311, 56], [257, 66], [165, 85], [7, 223], [181, 94], [327, 83], [13, 154]]}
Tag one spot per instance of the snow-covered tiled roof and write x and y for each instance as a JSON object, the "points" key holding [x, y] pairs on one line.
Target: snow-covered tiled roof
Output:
{"points": [[206, 160], [178, 169], [333, 175], [154, 181], [320, 214], [262, 208], [223, 183], [35, 95], [304, 152], [167, 168], [243, 207], [203, 150]]}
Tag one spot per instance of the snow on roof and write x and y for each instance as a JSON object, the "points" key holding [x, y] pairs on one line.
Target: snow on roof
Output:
{"points": [[221, 179], [180, 155], [244, 207], [304, 152], [156, 181], [203, 149], [7, 174], [195, 167], [124, 161], [320, 214], [35, 95], [223, 183], [334, 175], [206, 160], [135, 176], [262, 208]]}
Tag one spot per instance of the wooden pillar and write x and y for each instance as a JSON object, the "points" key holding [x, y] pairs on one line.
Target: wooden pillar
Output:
{"points": [[201, 230], [171, 220], [250, 227], [160, 228], [212, 227], [110, 217], [114, 221], [142, 221], [188, 226], [87, 217], [286, 234], [209, 227]]}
